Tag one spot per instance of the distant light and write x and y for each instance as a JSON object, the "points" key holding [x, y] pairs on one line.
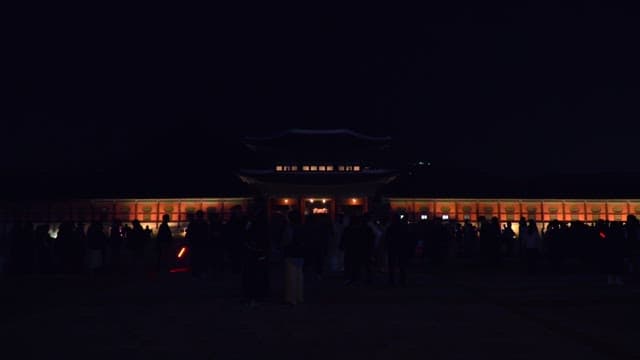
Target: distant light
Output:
{"points": [[176, 270], [311, 200], [324, 201], [354, 200], [286, 201], [445, 217], [422, 217], [420, 162], [401, 216], [53, 233]]}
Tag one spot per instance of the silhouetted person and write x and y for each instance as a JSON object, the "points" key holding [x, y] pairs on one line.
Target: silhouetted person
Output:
{"points": [[554, 241], [135, 242], [233, 234], [293, 248], [116, 240], [97, 246], [63, 246], [78, 249], [318, 236], [400, 248], [613, 252], [197, 238], [508, 238], [215, 244], [357, 243], [522, 228], [633, 245], [164, 244], [531, 244], [255, 272]]}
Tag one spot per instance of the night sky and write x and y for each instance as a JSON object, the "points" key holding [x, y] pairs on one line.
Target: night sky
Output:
{"points": [[515, 88]]}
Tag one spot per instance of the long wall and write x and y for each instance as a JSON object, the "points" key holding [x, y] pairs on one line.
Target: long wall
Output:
{"points": [[148, 211], [542, 210]]}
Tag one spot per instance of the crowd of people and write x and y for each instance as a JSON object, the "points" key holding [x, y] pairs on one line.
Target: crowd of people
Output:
{"points": [[359, 246]]}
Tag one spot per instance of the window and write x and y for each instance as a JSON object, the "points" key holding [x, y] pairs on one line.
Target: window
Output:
{"points": [[340, 168], [278, 167], [286, 168], [322, 168], [356, 168], [313, 168], [294, 167], [349, 168], [305, 168], [329, 167]]}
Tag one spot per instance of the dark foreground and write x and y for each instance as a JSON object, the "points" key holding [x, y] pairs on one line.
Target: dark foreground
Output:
{"points": [[465, 314]]}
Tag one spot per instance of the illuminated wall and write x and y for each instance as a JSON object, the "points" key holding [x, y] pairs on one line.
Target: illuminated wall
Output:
{"points": [[148, 211], [542, 210]]}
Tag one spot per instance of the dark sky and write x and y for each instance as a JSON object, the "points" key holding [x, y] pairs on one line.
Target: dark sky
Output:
{"points": [[467, 83]]}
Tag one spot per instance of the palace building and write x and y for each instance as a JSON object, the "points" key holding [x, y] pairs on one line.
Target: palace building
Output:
{"points": [[332, 172]]}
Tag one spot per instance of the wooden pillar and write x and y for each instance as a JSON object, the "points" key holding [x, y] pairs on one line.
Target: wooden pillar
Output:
{"points": [[521, 212], [158, 215], [455, 210], [585, 211]]}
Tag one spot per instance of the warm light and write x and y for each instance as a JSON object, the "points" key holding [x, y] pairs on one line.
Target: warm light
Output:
{"points": [[311, 200], [322, 168], [329, 167], [313, 168], [305, 168], [356, 168], [324, 201], [286, 201], [354, 200], [278, 168], [445, 217], [183, 250], [423, 217], [320, 211]]}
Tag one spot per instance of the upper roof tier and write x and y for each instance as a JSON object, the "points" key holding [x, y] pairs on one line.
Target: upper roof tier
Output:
{"points": [[304, 142]]}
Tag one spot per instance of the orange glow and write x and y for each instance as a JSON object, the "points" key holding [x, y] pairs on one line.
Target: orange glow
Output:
{"points": [[177, 270], [320, 211], [354, 200], [286, 201], [311, 200], [324, 201], [183, 250]]}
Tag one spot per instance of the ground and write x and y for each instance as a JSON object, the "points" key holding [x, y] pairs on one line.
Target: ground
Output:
{"points": [[458, 312]]}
